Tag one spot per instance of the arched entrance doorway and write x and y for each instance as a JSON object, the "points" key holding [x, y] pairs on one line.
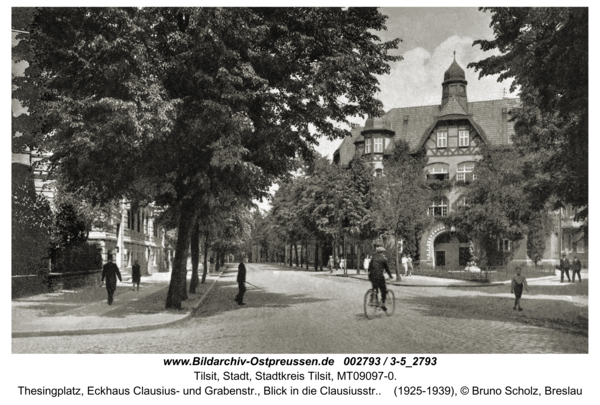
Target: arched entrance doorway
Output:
{"points": [[450, 250]]}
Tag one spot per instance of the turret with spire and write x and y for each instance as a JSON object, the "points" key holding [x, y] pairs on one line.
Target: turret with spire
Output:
{"points": [[454, 85]]}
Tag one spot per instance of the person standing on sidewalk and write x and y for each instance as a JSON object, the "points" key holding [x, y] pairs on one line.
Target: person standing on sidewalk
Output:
{"points": [[565, 266], [516, 286], [330, 264], [110, 271], [241, 280], [576, 268], [405, 264], [136, 275], [410, 265]]}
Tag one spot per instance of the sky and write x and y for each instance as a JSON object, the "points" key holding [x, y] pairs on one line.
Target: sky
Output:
{"points": [[430, 35]]}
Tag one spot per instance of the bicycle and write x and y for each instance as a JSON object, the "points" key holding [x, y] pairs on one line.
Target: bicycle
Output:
{"points": [[373, 303]]}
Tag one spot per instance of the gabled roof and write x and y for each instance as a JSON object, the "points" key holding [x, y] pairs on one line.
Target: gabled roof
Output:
{"points": [[487, 117], [477, 127]]}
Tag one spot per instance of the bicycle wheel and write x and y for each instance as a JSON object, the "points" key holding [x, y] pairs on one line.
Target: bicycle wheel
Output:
{"points": [[390, 303], [371, 304]]}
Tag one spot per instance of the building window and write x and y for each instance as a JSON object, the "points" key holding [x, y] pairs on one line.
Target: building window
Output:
{"points": [[138, 219], [378, 148], [442, 139], [367, 146], [581, 246], [464, 201], [464, 172], [437, 171], [503, 245], [439, 207], [463, 138], [154, 228]]}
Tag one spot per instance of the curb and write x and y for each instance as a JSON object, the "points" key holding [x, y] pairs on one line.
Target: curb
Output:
{"points": [[426, 285], [76, 332]]}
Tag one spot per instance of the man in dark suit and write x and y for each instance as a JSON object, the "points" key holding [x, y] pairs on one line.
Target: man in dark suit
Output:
{"points": [[565, 266], [576, 268], [110, 271], [241, 280]]}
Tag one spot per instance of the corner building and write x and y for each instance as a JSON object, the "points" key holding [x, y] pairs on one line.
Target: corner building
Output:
{"points": [[452, 133]]}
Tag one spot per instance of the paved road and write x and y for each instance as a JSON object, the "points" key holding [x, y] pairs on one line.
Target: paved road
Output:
{"points": [[301, 312]]}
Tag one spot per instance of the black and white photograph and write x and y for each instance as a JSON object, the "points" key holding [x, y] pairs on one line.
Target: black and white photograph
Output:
{"points": [[255, 202]]}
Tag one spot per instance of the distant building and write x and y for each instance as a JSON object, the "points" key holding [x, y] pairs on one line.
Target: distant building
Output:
{"points": [[452, 134]]}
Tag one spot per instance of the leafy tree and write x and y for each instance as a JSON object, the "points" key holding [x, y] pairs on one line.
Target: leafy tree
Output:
{"points": [[403, 194], [545, 51], [170, 102], [498, 207]]}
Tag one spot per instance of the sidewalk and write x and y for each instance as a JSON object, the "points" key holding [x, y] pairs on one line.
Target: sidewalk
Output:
{"points": [[426, 281], [85, 310]]}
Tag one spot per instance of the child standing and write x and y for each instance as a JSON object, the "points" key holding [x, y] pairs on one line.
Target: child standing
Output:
{"points": [[517, 284]]}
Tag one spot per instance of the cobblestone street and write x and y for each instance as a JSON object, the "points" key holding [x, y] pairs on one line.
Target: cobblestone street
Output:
{"points": [[292, 311]]}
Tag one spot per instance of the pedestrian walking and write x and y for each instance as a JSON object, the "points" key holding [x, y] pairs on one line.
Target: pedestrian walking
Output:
{"points": [[241, 280], [576, 268], [410, 265], [516, 286], [337, 262], [564, 267], [330, 264], [136, 275], [366, 262], [110, 272], [405, 264]]}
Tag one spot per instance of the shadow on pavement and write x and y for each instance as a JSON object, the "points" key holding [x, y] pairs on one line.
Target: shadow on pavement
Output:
{"points": [[562, 315], [221, 300], [55, 303]]}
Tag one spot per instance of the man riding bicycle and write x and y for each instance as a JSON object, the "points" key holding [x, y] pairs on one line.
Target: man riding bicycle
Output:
{"points": [[376, 267]]}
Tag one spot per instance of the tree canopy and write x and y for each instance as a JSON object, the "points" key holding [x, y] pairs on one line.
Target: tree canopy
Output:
{"points": [[174, 103], [545, 51]]}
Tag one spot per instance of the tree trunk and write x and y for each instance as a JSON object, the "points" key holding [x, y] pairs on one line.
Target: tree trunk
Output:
{"points": [[183, 272], [398, 278], [195, 252], [317, 256], [306, 254], [345, 257], [205, 265], [296, 252], [358, 262], [291, 256], [177, 285]]}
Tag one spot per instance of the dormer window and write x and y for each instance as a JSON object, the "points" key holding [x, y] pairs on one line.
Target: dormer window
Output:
{"points": [[378, 148], [367, 146], [442, 139], [463, 138]]}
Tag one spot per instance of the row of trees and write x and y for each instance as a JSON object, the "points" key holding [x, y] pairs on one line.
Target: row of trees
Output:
{"points": [[329, 205], [198, 110]]}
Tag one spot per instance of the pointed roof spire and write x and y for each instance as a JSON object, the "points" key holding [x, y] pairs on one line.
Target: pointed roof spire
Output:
{"points": [[454, 72]]}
